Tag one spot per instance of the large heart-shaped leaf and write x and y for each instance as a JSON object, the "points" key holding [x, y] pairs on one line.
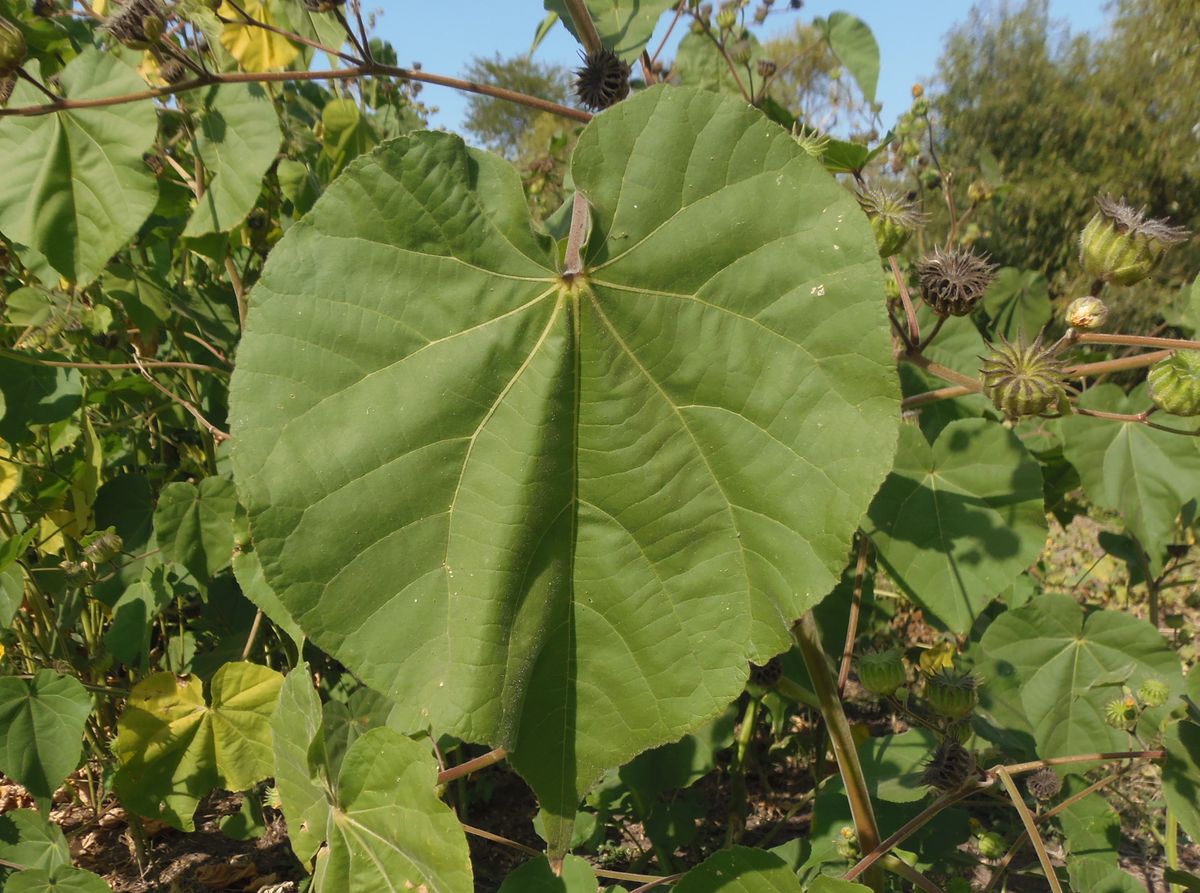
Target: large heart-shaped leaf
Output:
{"points": [[570, 510], [1063, 659], [75, 188], [956, 522], [301, 772], [237, 138], [28, 840], [1145, 474], [624, 26], [60, 879], [699, 62], [174, 749], [41, 730]]}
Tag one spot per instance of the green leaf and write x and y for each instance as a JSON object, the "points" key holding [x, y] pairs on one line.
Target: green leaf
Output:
{"points": [[1145, 474], [625, 26], [295, 732], [1181, 775], [194, 524], [740, 869], [346, 133], [536, 876], [41, 730], [681, 763], [957, 522], [237, 137], [1057, 653], [12, 593], [1097, 875], [75, 188], [173, 749], [125, 503], [1091, 826], [60, 879], [32, 395], [1018, 302], [892, 765], [249, 573], [827, 884], [853, 43], [630, 485], [699, 63], [133, 615], [28, 840], [389, 829]]}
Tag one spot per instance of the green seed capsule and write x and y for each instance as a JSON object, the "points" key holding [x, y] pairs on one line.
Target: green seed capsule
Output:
{"points": [[1175, 383]]}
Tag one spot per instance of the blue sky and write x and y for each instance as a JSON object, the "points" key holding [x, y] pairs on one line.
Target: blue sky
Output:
{"points": [[445, 34]]}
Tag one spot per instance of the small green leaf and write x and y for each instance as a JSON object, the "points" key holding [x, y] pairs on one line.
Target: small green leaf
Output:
{"points": [[60, 879], [625, 26], [852, 42], [298, 745], [41, 730], [32, 395], [75, 188], [536, 876], [957, 522], [1057, 652], [133, 615], [1145, 474], [194, 524], [31, 841], [12, 593], [1097, 875], [174, 749], [1018, 302], [237, 138], [740, 869], [389, 828], [892, 765], [699, 63]]}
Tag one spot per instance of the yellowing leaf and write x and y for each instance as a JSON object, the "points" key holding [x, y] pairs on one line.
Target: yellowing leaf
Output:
{"points": [[256, 49], [939, 656], [10, 473]]}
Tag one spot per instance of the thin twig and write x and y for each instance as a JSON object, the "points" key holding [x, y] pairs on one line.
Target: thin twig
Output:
{"points": [[573, 258], [860, 573], [1035, 838], [1137, 341], [239, 291], [584, 26], [671, 27], [914, 330], [481, 762], [217, 434], [148, 364], [254, 627], [1034, 765]]}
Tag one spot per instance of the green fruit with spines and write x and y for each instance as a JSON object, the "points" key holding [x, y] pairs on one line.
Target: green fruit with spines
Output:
{"points": [[991, 845], [12, 48], [1174, 383], [1153, 693], [952, 693], [1023, 379], [102, 546], [893, 219], [1121, 245], [726, 18], [882, 672], [1122, 713]]}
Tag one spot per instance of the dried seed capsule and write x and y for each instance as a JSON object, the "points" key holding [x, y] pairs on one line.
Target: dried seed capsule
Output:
{"points": [[1120, 244], [136, 23], [881, 672], [1044, 784], [953, 282], [602, 80], [767, 675], [1023, 379], [1175, 383], [949, 767], [952, 693], [12, 48]]}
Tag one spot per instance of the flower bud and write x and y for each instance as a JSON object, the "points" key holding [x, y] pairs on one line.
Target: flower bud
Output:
{"points": [[920, 107], [1087, 314], [881, 672], [1023, 379], [12, 48], [917, 91], [1121, 245], [726, 18], [1175, 383]]}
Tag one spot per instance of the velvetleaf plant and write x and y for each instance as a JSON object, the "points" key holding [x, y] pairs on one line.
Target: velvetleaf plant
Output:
{"points": [[331, 475]]}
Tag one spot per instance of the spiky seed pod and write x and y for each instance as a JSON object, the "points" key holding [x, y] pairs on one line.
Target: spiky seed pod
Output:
{"points": [[767, 675], [952, 693], [172, 71], [12, 48], [1175, 383], [1023, 379], [136, 23], [102, 546], [991, 845], [727, 18], [1120, 244], [953, 281], [959, 731], [1087, 314], [949, 767], [892, 217], [881, 672], [1153, 693], [1044, 784], [766, 68], [811, 140], [1122, 713], [602, 80]]}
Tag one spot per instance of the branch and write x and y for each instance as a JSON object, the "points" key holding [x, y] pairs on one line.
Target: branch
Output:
{"points": [[860, 573], [1030, 828], [343, 74], [1137, 341], [66, 364], [914, 330], [910, 874], [584, 26], [488, 759], [217, 434]]}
